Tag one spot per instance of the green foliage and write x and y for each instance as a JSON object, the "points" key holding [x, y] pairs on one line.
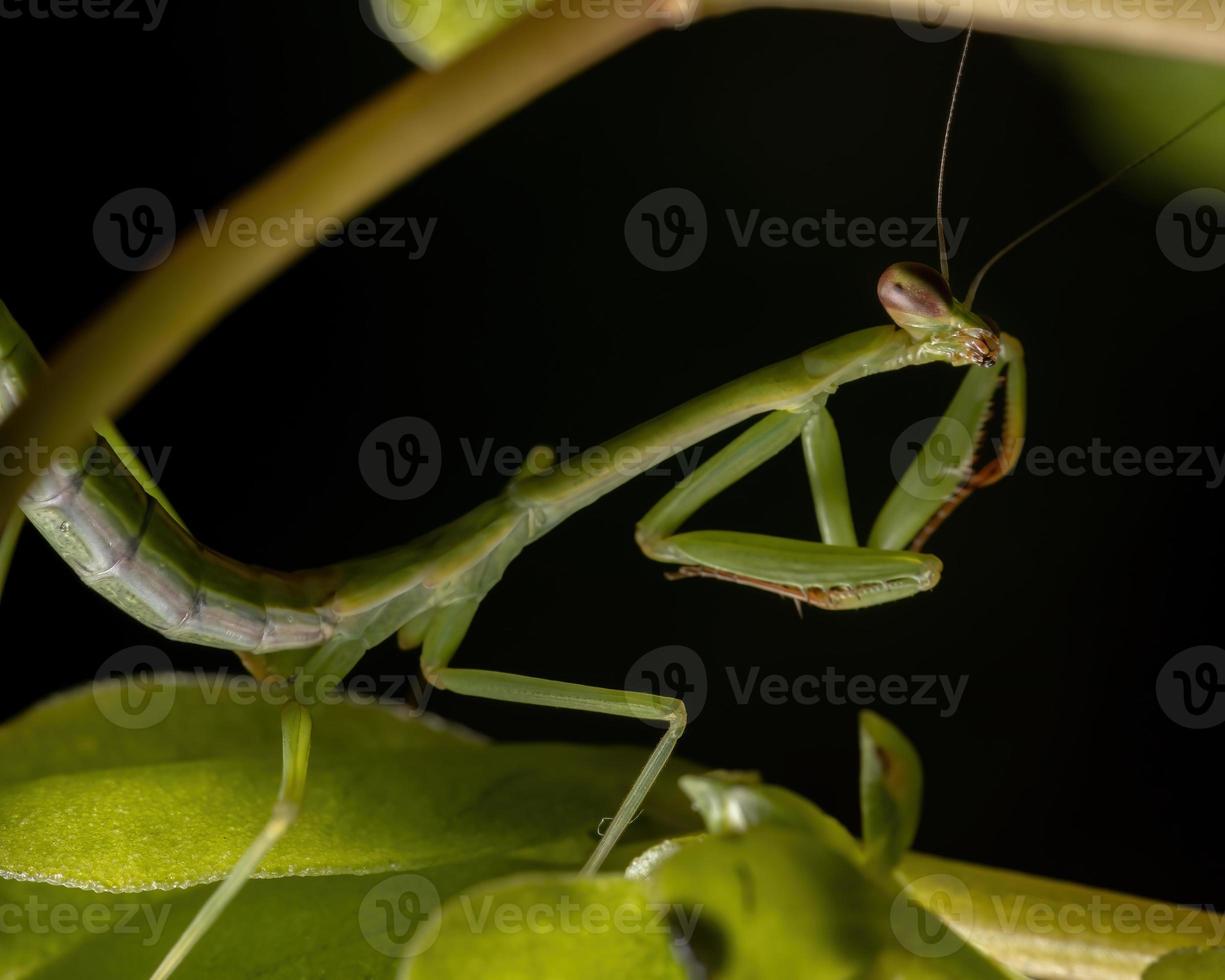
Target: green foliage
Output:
{"points": [[890, 790], [1189, 964], [556, 926], [425, 852], [384, 794], [1127, 104], [776, 888]]}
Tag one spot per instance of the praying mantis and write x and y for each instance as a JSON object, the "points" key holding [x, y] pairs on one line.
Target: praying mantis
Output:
{"points": [[119, 534]]}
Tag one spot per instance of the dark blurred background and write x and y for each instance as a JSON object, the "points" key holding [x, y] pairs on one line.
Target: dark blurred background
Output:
{"points": [[529, 320]]}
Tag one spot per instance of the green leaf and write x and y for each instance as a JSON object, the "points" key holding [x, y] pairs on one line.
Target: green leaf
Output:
{"points": [[1056, 928], [1189, 964], [88, 802], [529, 927], [890, 790], [280, 929], [770, 899], [735, 802], [1127, 104]]}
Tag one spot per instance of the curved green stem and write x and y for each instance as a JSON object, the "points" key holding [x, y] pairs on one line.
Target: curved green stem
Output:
{"points": [[394, 136]]}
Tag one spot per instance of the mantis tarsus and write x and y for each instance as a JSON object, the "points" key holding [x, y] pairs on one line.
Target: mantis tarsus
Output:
{"points": [[124, 542]]}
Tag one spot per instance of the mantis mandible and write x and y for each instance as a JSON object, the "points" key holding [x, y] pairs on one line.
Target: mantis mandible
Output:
{"points": [[123, 540]]}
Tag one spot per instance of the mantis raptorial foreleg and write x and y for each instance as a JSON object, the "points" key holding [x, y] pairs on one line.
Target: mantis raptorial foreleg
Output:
{"points": [[941, 475], [832, 576]]}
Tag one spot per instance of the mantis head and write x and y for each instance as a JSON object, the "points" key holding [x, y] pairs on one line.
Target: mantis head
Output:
{"points": [[919, 300]]}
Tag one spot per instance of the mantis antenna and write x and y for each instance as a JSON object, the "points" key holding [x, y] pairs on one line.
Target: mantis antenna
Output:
{"points": [[944, 156], [1101, 186]]}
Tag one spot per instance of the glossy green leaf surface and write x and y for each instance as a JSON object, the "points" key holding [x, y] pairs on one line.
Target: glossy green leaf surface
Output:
{"points": [[87, 800]]}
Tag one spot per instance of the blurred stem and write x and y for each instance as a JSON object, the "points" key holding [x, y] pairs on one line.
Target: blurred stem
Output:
{"points": [[8, 543], [383, 142], [1055, 930], [397, 134], [1188, 29]]}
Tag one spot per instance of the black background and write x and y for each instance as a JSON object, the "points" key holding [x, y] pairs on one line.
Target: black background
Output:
{"points": [[529, 321]]}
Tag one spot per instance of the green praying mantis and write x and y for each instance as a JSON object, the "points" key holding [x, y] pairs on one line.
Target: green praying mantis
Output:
{"points": [[120, 535]]}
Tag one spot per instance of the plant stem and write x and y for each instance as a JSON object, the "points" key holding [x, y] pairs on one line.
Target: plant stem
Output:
{"points": [[106, 365], [1192, 33], [383, 142]]}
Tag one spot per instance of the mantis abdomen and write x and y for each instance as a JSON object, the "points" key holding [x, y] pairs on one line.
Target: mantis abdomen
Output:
{"points": [[126, 546]]}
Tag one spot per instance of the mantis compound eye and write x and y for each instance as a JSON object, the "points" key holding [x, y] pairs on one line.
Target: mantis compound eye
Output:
{"points": [[915, 296]]}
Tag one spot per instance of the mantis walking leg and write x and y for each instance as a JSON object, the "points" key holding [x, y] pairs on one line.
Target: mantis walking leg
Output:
{"points": [[442, 639], [296, 741], [580, 697]]}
